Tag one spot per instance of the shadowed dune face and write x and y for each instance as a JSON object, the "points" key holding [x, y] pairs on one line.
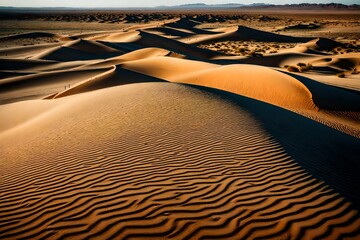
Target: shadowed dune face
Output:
{"points": [[155, 160], [79, 50], [143, 132], [245, 33], [42, 84], [281, 125]]}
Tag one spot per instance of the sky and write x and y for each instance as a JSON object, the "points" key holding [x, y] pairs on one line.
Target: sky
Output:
{"points": [[146, 3]]}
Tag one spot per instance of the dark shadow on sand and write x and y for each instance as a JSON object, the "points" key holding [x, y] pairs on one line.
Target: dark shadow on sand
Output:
{"points": [[325, 153], [328, 97]]}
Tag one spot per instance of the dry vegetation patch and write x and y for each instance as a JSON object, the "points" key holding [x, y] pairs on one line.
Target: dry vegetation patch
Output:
{"points": [[247, 48]]}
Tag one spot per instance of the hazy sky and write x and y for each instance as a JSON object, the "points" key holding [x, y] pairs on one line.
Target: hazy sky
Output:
{"points": [[144, 3]]}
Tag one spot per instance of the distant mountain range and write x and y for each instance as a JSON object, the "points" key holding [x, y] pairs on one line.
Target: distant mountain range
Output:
{"points": [[203, 6], [261, 5]]}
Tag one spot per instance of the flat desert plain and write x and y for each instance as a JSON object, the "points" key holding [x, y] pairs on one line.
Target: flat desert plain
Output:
{"points": [[180, 126]]}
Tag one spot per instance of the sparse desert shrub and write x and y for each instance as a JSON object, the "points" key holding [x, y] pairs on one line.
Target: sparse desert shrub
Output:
{"points": [[292, 69], [354, 71], [340, 75], [300, 64], [286, 66], [304, 67], [255, 54], [242, 50]]}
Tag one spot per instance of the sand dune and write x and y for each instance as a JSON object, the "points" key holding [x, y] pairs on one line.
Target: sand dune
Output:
{"points": [[271, 60], [39, 85], [33, 35], [256, 82], [170, 32], [94, 35], [31, 38], [113, 77], [27, 51], [189, 25], [36, 65], [152, 40], [245, 33], [90, 47], [134, 40], [79, 50], [144, 133], [322, 44], [23, 64], [131, 56], [166, 67], [249, 80], [348, 61], [168, 177], [9, 74], [321, 61], [121, 37], [295, 93]]}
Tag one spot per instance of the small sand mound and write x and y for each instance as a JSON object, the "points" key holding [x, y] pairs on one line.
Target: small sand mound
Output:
{"points": [[303, 26], [322, 44], [65, 54], [79, 50], [301, 48], [32, 35], [30, 39], [273, 60], [120, 37], [184, 22], [247, 33], [26, 52], [92, 47], [345, 62]]}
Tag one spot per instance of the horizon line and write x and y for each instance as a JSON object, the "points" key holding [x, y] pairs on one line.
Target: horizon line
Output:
{"points": [[181, 5]]}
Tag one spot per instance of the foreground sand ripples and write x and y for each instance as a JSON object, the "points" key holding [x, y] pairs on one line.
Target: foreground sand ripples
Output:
{"points": [[190, 173]]}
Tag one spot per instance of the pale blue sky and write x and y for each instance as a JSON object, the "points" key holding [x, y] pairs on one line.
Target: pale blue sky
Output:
{"points": [[145, 3]]}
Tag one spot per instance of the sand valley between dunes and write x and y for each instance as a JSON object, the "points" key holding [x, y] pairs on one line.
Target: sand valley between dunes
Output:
{"points": [[178, 128]]}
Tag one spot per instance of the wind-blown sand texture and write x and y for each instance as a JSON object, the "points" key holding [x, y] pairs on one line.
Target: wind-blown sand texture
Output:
{"points": [[153, 133]]}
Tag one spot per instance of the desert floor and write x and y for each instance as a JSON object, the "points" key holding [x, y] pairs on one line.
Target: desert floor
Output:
{"points": [[180, 126]]}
